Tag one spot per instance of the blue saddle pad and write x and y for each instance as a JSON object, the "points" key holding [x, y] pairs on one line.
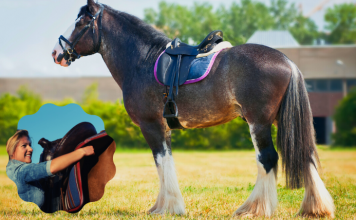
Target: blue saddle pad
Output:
{"points": [[198, 70], [74, 195]]}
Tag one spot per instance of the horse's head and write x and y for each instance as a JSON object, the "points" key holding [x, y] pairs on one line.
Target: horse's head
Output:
{"points": [[82, 38], [49, 148]]}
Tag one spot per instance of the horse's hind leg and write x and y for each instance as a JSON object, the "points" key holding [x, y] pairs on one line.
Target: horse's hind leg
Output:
{"points": [[169, 198], [263, 199]]}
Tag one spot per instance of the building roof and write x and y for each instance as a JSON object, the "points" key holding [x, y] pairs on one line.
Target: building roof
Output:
{"points": [[273, 39]]}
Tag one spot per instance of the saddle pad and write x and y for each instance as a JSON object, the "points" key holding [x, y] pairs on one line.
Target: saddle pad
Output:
{"points": [[198, 70], [74, 197]]}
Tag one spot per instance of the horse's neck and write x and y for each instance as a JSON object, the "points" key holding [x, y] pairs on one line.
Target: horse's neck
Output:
{"points": [[129, 51]]}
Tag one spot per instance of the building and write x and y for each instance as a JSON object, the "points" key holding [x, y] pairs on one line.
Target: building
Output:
{"points": [[329, 73]]}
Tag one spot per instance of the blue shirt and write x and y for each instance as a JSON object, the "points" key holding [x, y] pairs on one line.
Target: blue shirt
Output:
{"points": [[26, 176]]}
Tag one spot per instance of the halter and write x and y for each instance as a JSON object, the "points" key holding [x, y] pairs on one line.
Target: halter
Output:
{"points": [[71, 54]]}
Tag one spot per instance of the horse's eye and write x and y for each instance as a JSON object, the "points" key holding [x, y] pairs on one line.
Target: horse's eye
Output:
{"points": [[80, 22]]}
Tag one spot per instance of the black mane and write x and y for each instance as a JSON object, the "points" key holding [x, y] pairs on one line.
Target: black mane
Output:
{"points": [[153, 41], [138, 24], [82, 11]]}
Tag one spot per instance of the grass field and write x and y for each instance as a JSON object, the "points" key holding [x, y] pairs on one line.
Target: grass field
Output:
{"points": [[213, 184]]}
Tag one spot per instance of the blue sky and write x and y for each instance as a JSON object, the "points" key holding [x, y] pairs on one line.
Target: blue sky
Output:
{"points": [[30, 29], [53, 122]]}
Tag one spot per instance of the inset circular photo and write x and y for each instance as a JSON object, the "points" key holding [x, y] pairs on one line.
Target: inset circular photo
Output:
{"points": [[60, 158]]}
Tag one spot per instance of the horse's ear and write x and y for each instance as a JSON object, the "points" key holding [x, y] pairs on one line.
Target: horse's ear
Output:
{"points": [[92, 6], [91, 2]]}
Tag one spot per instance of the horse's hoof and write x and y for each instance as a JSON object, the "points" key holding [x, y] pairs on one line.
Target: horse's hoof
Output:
{"points": [[243, 215], [316, 214], [155, 211], [164, 210]]}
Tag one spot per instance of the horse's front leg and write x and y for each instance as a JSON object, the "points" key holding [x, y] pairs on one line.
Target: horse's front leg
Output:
{"points": [[159, 139]]}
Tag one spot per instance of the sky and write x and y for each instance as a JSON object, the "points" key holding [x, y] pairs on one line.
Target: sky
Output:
{"points": [[53, 122], [29, 30]]}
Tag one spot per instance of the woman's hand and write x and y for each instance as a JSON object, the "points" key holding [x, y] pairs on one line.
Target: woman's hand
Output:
{"points": [[62, 162], [88, 150]]}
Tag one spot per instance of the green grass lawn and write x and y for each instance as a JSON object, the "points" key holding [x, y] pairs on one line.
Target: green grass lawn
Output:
{"points": [[213, 184]]}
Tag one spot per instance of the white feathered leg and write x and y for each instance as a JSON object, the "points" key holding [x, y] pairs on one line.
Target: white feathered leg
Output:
{"points": [[263, 199], [317, 201], [169, 198]]}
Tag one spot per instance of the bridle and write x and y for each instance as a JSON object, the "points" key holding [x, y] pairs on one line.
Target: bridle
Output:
{"points": [[71, 54]]}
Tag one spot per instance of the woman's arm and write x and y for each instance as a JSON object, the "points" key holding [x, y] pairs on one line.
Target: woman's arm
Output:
{"points": [[64, 161]]}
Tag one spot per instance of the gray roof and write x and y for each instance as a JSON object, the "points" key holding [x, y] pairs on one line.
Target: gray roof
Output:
{"points": [[273, 39]]}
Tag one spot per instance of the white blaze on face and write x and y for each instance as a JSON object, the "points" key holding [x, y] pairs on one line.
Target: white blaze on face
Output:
{"points": [[58, 49]]}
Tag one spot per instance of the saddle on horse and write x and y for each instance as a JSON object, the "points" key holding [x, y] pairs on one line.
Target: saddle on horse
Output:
{"points": [[173, 69], [85, 180]]}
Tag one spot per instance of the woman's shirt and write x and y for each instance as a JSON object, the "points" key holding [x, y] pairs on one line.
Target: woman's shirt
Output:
{"points": [[26, 176]]}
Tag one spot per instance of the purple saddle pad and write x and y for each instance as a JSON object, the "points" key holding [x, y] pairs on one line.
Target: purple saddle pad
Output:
{"points": [[198, 70]]}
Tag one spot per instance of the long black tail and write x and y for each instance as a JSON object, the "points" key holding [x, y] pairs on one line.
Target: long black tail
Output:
{"points": [[295, 137]]}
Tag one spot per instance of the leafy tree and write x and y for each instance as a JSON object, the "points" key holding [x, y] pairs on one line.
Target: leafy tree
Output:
{"points": [[341, 22], [190, 25], [345, 121], [13, 108], [282, 15], [238, 21], [304, 30]]}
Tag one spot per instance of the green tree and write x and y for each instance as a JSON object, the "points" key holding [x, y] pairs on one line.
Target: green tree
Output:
{"points": [[345, 121], [13, 108], [282, 14], [304, 30], [238, 21], [189, 24], [341, 22]]}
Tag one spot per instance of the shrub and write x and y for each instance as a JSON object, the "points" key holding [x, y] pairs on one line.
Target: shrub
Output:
{"points": [[345, 121], [232, 135]]}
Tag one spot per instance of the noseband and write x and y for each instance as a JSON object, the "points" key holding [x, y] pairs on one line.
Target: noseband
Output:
{"points": [[71, 54]]}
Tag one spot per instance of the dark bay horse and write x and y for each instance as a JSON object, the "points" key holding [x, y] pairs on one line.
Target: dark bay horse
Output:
{"points": [[255, 82]]}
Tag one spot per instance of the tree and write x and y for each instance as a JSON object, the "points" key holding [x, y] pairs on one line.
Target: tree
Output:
{"points": [[341, 22], [189, 24], [345, 121], [13, 108], [304, 30], [238, 21], [282, 15]]}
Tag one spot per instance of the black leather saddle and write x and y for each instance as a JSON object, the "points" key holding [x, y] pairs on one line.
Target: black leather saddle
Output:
{"points": [[59, 194], [173, 69]]}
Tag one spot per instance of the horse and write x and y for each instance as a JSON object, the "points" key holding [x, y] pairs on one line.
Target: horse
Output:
{"points": [[252, 81]]}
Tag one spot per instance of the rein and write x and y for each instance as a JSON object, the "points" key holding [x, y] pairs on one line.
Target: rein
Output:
{"points": [[71, 54]]}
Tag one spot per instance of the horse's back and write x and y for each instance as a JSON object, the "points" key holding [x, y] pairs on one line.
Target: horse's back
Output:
{"points": [[243, 80]]}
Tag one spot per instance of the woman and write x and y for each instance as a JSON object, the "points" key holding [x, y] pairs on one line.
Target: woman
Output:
{"points": [[26, 174]]}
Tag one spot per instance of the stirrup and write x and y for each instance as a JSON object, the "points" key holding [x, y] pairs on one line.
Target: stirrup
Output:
{"points": [[171, 109]]}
